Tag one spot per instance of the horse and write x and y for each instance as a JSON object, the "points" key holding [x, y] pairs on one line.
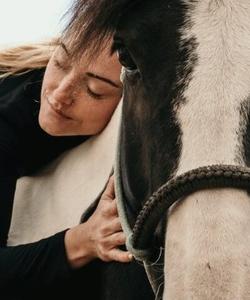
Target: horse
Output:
{"points": [[185, 118]]}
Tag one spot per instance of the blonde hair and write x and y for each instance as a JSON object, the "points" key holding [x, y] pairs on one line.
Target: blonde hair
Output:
{"points": [[24, 58]]}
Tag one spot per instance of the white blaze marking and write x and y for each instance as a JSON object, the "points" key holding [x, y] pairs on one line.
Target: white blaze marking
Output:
{"points": [[210, 118]]}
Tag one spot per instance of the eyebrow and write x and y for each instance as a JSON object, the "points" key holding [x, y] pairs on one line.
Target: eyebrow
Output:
{"points": [[111, 82], [92, 75]]}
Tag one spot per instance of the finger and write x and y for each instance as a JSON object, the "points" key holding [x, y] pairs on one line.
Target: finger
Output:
{"points": [[115, 239], [108, 208], [121, 256], [113, 208], [113, 227], [109, 192]]}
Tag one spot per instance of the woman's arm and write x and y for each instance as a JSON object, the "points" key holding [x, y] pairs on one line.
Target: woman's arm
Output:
{"points": [[53, 258], [39, 263]]}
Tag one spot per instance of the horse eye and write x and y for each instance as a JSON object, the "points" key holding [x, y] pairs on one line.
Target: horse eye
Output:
{"points": [[125, 59]]}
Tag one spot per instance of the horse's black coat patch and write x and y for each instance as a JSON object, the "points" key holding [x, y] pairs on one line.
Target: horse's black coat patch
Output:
{"points": [[245, 115], [150, 143]]}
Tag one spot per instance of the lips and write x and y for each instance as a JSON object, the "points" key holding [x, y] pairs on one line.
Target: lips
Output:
{"points": [[57, 111]]}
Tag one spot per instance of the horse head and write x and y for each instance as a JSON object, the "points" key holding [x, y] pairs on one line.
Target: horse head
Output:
{"points": [[186, 94]]}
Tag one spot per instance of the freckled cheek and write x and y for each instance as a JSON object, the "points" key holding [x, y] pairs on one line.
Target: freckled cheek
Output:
{"points": [[93, 119], [50, 82], [43, 99], [44, 91], [105, 114]]}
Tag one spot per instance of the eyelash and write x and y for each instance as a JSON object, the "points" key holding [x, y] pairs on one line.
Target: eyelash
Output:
{"points": [[93, 95], [58, 65]]}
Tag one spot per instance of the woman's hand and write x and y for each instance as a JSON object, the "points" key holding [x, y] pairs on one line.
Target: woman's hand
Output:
{"points": [[100, 236]]}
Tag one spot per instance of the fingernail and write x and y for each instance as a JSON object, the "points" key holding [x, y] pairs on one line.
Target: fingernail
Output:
{"points": [[130, 256]]}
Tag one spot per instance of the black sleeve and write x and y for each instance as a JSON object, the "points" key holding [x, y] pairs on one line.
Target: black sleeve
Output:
{"points": [[8, 177], [40, 262]]}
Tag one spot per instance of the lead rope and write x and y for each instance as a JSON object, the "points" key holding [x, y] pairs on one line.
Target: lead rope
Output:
{"points": [[139, 241], [214, 176]]}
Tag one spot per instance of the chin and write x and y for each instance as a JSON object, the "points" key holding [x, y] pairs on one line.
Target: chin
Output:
{"points": [[51, 130], [57, 131]]}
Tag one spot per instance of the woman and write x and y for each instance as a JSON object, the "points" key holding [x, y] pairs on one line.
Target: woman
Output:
{"points": [[48, 104]]}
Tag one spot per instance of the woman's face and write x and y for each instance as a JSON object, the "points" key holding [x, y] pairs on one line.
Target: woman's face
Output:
{"points": [[79, 98]]}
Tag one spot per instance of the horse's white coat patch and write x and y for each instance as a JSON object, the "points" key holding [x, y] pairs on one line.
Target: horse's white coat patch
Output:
{"points": [[208, 235]]}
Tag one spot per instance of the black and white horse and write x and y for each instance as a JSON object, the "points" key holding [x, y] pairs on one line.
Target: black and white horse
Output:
{"points": [[186, 105]]}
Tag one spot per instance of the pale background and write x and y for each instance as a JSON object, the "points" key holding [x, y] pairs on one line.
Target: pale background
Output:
{"points": [[24, 21]]}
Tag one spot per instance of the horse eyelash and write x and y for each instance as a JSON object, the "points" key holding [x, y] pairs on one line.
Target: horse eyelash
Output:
{"points": [[116, 45], [114, 48]]}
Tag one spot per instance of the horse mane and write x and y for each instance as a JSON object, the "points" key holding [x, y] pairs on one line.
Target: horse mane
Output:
{"points": [[92, 23]]}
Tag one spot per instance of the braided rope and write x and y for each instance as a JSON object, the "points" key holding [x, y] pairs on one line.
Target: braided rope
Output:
{"points": [[214, 176]]}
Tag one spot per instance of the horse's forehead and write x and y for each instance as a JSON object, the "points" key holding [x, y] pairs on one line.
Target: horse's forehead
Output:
{"points": [[152, 28], [141, 15], [152, 11]]}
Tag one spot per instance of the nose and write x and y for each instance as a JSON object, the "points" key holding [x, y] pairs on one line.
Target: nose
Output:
{"points": [[62, 96]]}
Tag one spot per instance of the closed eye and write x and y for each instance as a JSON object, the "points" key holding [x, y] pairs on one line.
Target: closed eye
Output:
{"points": [[59, 65], [93, 94]]}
